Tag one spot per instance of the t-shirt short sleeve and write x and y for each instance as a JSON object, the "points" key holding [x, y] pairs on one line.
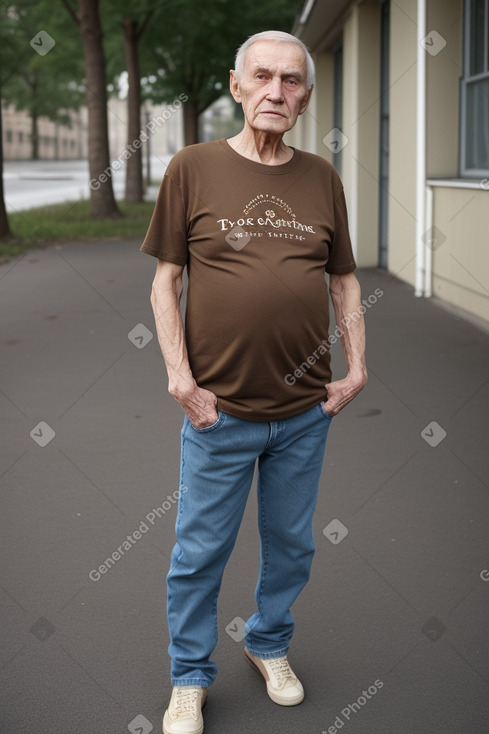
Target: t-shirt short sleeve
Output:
{"points": [[166, 237], [341, 259]]}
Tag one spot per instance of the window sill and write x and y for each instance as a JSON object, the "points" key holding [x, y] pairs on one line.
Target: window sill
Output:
{"points": [[482, 184]]}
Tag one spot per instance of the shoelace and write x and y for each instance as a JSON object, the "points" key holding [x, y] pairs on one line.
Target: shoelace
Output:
{"points": [[185, 701], [281, 669]]}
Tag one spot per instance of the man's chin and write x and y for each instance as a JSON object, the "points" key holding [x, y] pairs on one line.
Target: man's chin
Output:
{"points": [[272, 124]]}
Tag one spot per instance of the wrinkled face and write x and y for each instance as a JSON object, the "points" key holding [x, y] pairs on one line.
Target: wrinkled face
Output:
{"points": [[272, 89]]}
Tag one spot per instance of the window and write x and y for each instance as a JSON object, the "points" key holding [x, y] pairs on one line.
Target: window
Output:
{"points": [[474, 92]]}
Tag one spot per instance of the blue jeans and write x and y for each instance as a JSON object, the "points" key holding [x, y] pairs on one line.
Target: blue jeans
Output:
{"points": [[216, 473]]}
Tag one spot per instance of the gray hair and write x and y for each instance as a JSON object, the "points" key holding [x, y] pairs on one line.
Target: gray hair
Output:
{"points": [[274, 36]]}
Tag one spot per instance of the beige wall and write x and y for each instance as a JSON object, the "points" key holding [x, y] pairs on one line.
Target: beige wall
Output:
{"points": [[324, 101], [443, 73], [350, 115], [460, 265], [317, 121], [402, 159], [361, 78], [366, 127], [461, 262]]}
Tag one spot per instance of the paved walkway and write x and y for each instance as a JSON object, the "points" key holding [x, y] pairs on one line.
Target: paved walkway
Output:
{"points": [[392, 630]]}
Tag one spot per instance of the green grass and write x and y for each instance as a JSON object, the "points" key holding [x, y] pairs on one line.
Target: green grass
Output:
{"points": [[71, 221]]}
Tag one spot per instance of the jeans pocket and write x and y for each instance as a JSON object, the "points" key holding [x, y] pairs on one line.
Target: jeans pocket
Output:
{"points": [[212, 427], [325, 415]]}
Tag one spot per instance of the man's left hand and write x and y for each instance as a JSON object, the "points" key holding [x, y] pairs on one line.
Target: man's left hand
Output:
{"points": [[342, 392]]}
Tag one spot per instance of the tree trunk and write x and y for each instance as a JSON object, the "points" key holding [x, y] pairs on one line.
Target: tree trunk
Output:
{"points": [[102, 198], [5, 232], [34, 136], [190, 123], [134, 164]]}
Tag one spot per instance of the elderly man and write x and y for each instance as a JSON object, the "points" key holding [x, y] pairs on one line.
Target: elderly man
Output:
{"points": [[257, 224]]}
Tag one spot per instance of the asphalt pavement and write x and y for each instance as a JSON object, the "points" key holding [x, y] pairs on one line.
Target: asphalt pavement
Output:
{"points": [[392, 629]]}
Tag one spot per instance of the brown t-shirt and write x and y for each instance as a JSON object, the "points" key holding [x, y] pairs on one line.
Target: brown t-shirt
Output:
{"points": [[257, 241]]}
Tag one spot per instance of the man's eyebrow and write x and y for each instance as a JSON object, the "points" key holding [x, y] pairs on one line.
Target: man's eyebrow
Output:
{"points": [[285, 75]]}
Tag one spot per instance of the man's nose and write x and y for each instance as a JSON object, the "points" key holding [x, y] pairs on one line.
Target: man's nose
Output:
{"points": [[275, 91]]}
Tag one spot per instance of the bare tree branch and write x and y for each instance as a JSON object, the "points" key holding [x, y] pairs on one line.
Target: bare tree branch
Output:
{"points": [[71, 12]]}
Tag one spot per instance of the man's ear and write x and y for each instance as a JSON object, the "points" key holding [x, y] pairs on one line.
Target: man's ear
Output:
{"points": [[306, 100], [234, 85]]}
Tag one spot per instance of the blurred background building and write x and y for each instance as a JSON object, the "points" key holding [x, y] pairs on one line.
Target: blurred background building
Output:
{"points": [[65, 142], [58, 142]]}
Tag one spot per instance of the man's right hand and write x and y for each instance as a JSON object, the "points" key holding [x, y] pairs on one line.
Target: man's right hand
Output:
{"points": [[199, 404]]}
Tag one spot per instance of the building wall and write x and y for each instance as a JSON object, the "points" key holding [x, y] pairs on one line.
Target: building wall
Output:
{"points": [[55, 141], [60, 142], [361, 77], [460, 266], [460, 262], [165, 135], [324, 109], [443, 73], [361, 116], [402, 152], [317, 120]]}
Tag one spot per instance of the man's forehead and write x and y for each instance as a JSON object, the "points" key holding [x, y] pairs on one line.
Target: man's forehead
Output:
{"points": [[269, 54]]}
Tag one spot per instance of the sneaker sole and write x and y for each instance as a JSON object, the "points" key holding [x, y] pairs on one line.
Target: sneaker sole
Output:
{"points": [[276, 699], [197, 731]]}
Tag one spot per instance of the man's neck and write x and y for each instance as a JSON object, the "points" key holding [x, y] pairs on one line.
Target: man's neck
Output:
{"points": [[261, 147]]}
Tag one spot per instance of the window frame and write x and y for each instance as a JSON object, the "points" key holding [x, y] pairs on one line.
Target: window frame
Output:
{"points": [[468, 79]]}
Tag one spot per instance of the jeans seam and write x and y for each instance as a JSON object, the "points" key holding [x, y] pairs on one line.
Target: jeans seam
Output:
{"points": [[265, 551], [182, 481], [180, 682], [214, 614]]}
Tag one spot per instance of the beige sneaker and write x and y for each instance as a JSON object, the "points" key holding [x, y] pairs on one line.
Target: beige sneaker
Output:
{"points": [[184, 712], [283, 686]]}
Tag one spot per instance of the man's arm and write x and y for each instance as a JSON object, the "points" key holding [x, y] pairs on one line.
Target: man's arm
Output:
{"points": [[346, 297], [199, 404]]}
